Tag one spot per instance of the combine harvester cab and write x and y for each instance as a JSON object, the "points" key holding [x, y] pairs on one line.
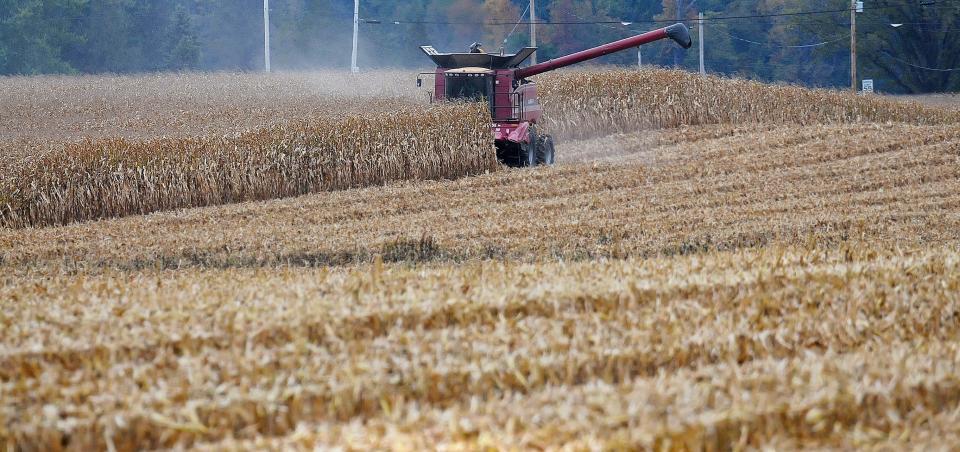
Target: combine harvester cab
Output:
{"points": [[499, 80]]}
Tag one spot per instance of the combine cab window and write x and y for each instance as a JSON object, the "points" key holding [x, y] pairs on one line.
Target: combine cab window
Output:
{"points": [[470, 87]]}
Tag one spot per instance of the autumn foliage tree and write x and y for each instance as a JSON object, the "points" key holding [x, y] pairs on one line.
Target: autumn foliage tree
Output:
{"points": [[804, 42], [569, 34], [680, 11], [496, 12], [462, 16]]}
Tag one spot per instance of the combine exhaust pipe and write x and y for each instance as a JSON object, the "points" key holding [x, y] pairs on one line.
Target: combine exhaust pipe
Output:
{"points": [[677, 32]]}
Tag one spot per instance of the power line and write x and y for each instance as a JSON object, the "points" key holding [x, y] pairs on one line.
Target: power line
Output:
{"points": [[623, 29], [802, 46], [707, 19], [916, 66], [654, 21], [518, 23]]}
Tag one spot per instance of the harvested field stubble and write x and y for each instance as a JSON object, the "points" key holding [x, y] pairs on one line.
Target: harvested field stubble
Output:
{"points": [[582, 104], [116, 177], [696, 351]]}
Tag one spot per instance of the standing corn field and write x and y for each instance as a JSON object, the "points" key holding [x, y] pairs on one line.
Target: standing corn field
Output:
{"points": [[115, 177], [580, 104]]}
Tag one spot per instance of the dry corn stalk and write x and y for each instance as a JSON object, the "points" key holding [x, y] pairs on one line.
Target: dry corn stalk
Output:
{"points": [[588, 103], [115, 177], [189, 104]]}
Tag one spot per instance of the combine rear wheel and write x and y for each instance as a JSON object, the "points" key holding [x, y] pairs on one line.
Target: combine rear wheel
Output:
{"points": [[545, 150]]}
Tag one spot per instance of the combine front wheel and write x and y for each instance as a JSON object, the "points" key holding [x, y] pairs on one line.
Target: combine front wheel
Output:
{"points": [[537, 151], [532, 148]]}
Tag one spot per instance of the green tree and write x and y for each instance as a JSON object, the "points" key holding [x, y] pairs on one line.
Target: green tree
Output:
{"points": [[230, 32], [915, 57], [184, 50], [150, 22], [566, 35], [680, 11], [65, 36], [106, 46], [34, 34], [899, 59]]}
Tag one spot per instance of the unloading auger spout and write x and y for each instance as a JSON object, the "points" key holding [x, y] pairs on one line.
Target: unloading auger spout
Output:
{"points": [[676, 32]]}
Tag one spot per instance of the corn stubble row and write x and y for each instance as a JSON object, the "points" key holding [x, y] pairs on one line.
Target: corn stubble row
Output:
{"points": [[581, 104], [683, 352], [830, 324], [901, 401], [116, 177]]}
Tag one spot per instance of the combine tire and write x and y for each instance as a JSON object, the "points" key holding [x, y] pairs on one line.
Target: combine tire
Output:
{"points": [[538, 151], [545, 150], [532, 148]]}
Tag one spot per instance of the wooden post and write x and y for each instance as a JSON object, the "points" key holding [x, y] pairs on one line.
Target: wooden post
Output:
{"points": [[356, 31], [533, 30], [853, 45], [703, 70], [266, 35]]}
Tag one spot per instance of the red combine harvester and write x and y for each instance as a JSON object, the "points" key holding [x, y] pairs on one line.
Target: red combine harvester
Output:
{"points": [[498, 79]]}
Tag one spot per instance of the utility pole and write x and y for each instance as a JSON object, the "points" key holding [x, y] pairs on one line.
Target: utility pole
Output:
{"points": [[266, 35], [703, 70], [853, 46], [533, 29], [356, 31]]}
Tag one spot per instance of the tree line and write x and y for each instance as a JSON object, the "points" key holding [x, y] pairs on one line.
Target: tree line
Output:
{"points": [[905, 46]]}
